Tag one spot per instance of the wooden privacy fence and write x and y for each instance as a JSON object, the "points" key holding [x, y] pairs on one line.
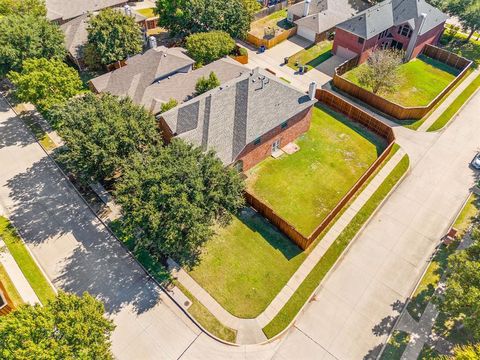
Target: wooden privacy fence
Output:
{"points": [[269, 43], [356, 115], [391, 108]]}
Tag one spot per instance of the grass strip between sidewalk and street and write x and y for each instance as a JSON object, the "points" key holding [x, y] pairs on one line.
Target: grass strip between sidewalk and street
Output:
{"points": [[455, 106], [26, 263], [10, 288], [311, 282], [206, 318], [396, 346]]}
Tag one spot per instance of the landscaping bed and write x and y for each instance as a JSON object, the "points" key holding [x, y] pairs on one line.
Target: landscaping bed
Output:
{"points": [[421, 80], [305, 186], [277, 22], [312, 56]]}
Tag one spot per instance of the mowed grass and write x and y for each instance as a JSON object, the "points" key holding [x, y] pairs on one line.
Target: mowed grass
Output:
{"points": [[148, 12], [10, 287], [468, 213], [420, 81], [305, 186], [312, 56], [246, 264], [26, 263]]}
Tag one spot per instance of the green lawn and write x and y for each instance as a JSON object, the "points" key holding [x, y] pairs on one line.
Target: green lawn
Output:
{"points": [[458, 45], [396, 346], [277, 20], [421, 80], [148, 13], [42, 137], [311, 282], [450, 112], [468, 213], [312, 56], [246, 264], [33, 274], [305, 186], [10, 288]]}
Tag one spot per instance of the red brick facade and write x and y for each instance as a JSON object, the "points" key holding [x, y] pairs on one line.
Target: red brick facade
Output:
{"points": [[296, 126], [351, 42]]}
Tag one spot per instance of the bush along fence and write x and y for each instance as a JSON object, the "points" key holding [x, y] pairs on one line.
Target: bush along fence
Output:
{"points": [[357, 115], [390, 108]]}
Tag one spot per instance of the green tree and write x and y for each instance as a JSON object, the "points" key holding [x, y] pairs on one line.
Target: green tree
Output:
{"points": [[170, 104], [68, 327], [252, 6], [45, 83], [467, 11], [32, 7], [184, 17], [25, 37], [466, 352], [102, 133], [205, 84], [114, 36], [207, 47], [461, 300], [172, 197], [380, 73]]}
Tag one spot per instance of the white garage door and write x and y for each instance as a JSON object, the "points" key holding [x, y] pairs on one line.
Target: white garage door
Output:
{"points": [[345, 53], [306, 33]]}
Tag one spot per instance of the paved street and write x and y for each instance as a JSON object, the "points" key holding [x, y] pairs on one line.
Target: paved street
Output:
{"points": [[354, 307]]}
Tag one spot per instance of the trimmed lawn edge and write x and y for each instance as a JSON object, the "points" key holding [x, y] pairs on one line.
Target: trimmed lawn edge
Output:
{"points": [[206, 319], [299, 299], [34, 275], [456, 106]]}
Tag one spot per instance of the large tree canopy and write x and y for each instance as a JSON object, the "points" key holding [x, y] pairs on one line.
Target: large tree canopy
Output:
{"points": [[46, 83], [207, 47], [68, 327], [32, 7], [461, 299], [28, 36], [467, 11], [172, 198], [113, 36], [184, 17], [101, 134]]}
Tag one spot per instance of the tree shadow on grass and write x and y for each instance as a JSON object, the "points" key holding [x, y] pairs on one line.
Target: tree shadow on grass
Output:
{"points": [[75, 249]]}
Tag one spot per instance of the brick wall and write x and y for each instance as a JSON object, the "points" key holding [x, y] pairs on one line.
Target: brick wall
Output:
{"points": [[430, 37], [297, 125]]}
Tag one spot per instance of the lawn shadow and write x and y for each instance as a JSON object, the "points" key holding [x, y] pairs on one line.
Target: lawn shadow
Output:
{"points": [[379, 142], [75, 249], [257, 223], [320, 59], [440, 65]]}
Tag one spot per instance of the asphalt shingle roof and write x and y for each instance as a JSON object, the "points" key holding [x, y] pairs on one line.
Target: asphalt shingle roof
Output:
{"points": [[388, 13], [69, 9]]}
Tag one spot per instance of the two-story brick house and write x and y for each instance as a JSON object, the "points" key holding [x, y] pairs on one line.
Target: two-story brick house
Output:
{"points": [[401, 24]]}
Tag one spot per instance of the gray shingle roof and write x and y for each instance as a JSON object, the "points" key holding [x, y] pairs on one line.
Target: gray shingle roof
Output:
{"points": [[76, 35], [233, 115], [322, 21], [388, 13], [316, 6], [141, 71], [69, 9]]}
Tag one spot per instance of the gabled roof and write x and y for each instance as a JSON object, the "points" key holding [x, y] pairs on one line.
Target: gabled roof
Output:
{"points": [[388, 13], [316, 6], [322, 21], [69, 9], [141, 71], [236, 113]]}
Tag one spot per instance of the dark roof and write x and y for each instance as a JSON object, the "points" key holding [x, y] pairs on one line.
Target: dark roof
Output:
{"points": [[322, 21], [388, 13], [69, 9], [236, 113]]}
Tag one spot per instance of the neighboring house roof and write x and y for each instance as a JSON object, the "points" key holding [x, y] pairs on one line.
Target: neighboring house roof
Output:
{"points": [[315, 7], [322, 21], [141, 71], [388, 13], [236, 113], [69, 9]]}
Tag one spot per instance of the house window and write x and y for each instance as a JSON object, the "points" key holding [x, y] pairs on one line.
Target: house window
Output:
{"points": [[284, 124], [257, 141], [361, 40], [397, 45], [382, 34], [405, 30]]}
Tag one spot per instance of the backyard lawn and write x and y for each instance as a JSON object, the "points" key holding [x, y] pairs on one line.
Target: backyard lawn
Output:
{"points": [[246, 264], [312, 56], [305, 186], [147, 12], [421, 80], [276, 21]]}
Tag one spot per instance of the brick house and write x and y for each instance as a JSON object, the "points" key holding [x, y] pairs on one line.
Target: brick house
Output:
{"points": [[401, 24], [244, 120]]}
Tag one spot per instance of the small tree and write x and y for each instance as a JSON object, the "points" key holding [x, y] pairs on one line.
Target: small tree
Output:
{"points": [[380, 73], [170, 104], [102, 133], [205, 84], [46, 83], [172, 197], [68, 327], [252, 6], [113, 36], [22, 7], [207, 47], [28, 36]]}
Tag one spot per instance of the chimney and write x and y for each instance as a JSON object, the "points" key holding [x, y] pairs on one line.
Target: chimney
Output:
{"points": [[312, 90], [152, 42], [128, 10], [419, 23], [306, 7]]}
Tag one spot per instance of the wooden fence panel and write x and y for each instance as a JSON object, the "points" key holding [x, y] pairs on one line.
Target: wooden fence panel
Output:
{"points": [[269, 43]]}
